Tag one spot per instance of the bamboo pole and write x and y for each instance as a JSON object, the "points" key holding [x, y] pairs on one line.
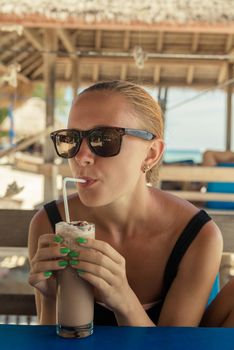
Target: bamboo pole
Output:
{"points": [[50, 43]]}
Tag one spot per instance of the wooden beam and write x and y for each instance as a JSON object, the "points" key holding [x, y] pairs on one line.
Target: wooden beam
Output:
{"points": [[7, 38], [166, 82], [151, 61], [31, 58], [157, 72], [195, 42], [12, 51], [123, 72], [19, 58], [229, 108], [203, 197], [32, 21], [195, 173], [71, 49], [190, 75], [67, 43], [75, 75], [222, 73], [51, 46], [229, 43], [95, 72], [98, 39], [68, 70], [126, 41], [159, 43], [39, 71], [33, 38], [33, 65]]}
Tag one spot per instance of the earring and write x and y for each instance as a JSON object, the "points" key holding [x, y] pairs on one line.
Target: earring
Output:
{"points": [[146, 167]]}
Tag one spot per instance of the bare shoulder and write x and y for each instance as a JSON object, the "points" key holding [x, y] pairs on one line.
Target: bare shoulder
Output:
{"points": [[177, 213]]}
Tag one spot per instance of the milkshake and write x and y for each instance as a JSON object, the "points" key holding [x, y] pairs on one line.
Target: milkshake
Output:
{"points": [[75, 297]]}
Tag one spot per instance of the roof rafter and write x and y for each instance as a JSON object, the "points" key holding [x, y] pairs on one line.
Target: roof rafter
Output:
{"points": [[159, 44], [195, 42], [33, 38], [64, 37], [98, 39]]}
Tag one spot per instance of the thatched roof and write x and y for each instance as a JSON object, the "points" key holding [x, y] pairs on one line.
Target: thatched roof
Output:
{"points": [[164, 43], [125, 11]]}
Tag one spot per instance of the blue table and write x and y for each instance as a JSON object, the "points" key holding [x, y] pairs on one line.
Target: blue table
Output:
{"points": [[117, 338]]}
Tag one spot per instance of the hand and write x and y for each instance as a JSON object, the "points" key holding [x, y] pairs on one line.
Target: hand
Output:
{"points": [[104, 268], [48, 259]]}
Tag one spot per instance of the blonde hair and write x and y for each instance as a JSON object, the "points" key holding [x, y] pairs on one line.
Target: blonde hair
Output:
{"points": [[147, 110]]}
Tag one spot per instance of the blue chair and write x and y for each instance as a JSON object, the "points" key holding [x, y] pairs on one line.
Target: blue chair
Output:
{"points": [[221, 187], [215, 290]]}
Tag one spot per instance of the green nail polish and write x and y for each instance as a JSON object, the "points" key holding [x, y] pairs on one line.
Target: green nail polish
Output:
{"points": [[58, 239], [81, 240], [63, 263], [64, 250], [80, 271], [73, 254], [73, 262], [48, 273]]}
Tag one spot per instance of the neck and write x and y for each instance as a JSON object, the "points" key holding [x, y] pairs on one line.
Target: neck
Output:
{"points": [[126, 215]]}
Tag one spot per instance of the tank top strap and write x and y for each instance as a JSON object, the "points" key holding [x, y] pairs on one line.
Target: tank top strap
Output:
{"points": [[182, 244], [53, 213]]}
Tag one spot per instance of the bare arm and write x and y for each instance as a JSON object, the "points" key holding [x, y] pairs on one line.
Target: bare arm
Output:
{"points": [[188, 295], [39, 243], [212, 158]]}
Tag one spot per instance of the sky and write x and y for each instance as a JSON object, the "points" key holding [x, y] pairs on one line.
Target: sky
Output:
{"points": [[198, 124]]}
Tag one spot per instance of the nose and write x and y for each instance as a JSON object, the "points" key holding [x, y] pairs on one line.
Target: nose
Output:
{"points": [[84, 156]]}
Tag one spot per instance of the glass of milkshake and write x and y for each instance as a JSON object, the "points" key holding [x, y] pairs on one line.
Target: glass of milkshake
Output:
{"points": [[75, 297]]}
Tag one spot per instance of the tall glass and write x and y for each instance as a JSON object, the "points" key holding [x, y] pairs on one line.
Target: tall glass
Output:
{"points": [[75, 297]]}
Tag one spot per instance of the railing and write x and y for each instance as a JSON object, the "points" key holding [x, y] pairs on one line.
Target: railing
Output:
{"points": [[198, 174], [169, 173]]}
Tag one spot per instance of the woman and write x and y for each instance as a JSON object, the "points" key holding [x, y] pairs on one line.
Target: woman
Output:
{"points": [[155, 256]]}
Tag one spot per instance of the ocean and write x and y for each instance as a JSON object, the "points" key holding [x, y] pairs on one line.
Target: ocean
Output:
{"points": [[182, 155]]}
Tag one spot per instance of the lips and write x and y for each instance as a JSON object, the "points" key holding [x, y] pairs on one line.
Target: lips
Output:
{"points": [[88, 181]]}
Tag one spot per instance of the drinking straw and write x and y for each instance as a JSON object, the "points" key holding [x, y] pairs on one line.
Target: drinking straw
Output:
{"points": [[65, 180]]}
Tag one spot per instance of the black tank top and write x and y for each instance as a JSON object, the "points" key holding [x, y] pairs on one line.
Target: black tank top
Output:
{"points": [[104, 316]]}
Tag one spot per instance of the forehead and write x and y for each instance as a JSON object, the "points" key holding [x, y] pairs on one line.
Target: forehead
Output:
{"points": [[97, 108]]}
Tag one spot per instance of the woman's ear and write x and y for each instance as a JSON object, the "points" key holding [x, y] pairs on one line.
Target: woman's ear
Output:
{"points": [[154, 153]]}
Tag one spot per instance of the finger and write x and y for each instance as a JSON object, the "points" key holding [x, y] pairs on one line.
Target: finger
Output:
{"points": [[96, 270], [102, 247], [98, 258], [50, 265], [35, 278], [51, 252], [95, 281], [49, 239]]}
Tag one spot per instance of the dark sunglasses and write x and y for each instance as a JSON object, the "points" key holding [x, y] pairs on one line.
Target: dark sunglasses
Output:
{"points": [[102, 141]]}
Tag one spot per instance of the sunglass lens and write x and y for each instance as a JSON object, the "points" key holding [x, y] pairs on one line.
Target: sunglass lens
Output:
{"points": [[67, 143], [105, 142]]}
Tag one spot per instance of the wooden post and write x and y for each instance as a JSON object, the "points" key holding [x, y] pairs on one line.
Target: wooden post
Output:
{"points": [[75, 75], [50, 44], [229, 109]]}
